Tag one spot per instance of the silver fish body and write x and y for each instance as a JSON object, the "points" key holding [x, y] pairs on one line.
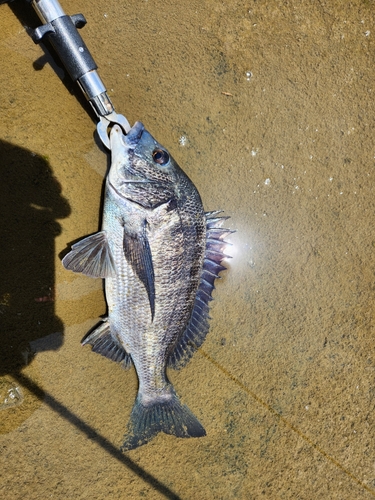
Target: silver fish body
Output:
{"points": [[159, 253]]}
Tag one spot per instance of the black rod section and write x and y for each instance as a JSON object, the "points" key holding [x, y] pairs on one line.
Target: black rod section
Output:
{"points": [[62, 31]]}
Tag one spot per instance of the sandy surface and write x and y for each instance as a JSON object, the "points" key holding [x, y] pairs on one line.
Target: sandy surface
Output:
{"points": [[275, 102]]}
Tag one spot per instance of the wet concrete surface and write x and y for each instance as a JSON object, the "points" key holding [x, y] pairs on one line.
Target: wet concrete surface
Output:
{"points": [[268, 107]]}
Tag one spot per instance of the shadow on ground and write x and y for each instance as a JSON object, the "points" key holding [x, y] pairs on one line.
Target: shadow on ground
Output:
{"points": [[30, 204]]}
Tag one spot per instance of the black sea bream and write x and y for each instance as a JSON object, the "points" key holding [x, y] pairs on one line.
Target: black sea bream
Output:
{"points": [[159, 253]]}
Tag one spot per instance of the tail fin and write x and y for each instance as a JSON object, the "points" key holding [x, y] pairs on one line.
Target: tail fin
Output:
{"points": [[169, 416]]}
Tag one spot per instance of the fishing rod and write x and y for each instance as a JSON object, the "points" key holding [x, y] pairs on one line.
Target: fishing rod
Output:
{"points": [[61, 31]]}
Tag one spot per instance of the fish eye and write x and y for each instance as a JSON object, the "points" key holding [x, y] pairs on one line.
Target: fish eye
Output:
{"points": [[160, 156]]}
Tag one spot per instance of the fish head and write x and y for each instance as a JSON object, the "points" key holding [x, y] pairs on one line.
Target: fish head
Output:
{"points": [[142, 170]]}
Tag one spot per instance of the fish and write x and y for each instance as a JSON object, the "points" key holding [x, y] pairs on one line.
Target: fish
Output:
{"points": [[159, 253]]}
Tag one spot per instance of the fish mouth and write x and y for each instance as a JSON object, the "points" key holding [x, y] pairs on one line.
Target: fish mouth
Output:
{"points": [[118, 140], [121, 176], [134, 135], [122, 148]]}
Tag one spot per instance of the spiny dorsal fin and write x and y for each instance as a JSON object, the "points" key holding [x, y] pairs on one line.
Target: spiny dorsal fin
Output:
{"points": [[103, 342], [198, 325], [91, 256]]}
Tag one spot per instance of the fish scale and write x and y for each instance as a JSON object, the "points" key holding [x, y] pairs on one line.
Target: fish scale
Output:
{"points": [[159, 254]]}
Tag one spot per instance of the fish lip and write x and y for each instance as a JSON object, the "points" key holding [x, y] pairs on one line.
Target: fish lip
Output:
{"points": [[130, 140], [135, 133]]}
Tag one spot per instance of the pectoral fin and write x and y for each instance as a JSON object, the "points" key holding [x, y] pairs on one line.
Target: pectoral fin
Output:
{"points": [[138, 253], [91, 256]]}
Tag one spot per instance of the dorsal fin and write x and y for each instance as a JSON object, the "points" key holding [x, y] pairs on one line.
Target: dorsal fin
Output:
{"points": [[198, 325]]}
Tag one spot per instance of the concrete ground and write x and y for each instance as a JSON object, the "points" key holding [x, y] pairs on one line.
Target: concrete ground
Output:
{"points": [[268, 107]]}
